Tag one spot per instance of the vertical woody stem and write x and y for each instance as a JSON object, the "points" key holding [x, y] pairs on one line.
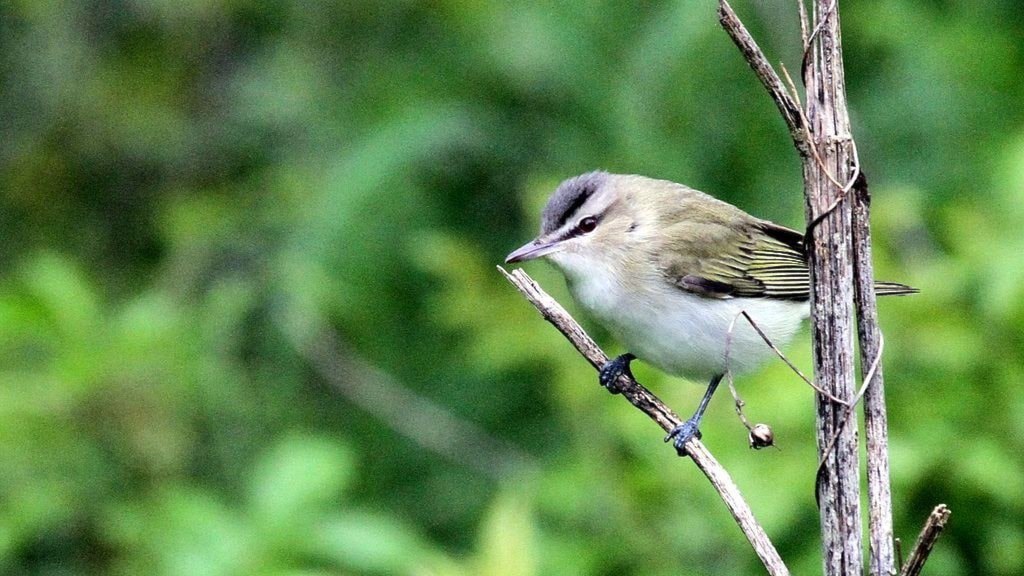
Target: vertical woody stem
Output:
{"points": [[832, 290], [882, 560]]}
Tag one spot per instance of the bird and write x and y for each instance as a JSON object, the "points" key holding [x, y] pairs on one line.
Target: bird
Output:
{"points": [[668, 270]]}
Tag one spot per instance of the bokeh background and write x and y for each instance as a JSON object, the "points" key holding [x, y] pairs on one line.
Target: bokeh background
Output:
{"points": [[250, 321]]}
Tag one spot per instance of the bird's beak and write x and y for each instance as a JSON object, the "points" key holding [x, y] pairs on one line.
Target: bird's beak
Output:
{"points": [[535, 249]]}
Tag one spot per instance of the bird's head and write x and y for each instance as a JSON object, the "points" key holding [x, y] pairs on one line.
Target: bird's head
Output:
{"points": [[590, 220]]}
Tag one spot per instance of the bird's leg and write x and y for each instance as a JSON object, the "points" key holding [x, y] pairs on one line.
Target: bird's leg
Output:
{"points": [[681, 434], [611, 371]]}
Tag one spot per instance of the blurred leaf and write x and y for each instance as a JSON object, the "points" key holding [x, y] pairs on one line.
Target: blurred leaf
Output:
{"points": [[60, 287], [507, 535], [298, 477], [184, 531], [370, 542]]}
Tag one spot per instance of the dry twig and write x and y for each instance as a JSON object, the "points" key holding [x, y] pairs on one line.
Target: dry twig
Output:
{"points": [[929, 534], [788, 107]]}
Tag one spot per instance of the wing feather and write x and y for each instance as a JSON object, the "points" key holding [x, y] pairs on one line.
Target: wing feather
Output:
{"points": [[716, 250], [761, 260]]}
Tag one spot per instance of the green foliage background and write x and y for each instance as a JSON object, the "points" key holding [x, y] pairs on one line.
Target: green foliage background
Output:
{"points": [[195, 192]]}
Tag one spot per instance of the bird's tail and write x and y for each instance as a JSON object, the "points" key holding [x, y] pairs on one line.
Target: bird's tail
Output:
{"points": [[894, 289]]}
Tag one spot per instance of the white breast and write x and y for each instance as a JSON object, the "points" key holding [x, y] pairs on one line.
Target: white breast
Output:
{"points": [[682, 333]]}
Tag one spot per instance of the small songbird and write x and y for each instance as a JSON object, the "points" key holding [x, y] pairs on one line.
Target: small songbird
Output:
{"points": [[668, 270]]}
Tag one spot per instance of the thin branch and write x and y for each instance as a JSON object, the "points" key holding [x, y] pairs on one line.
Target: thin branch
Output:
{"points": [[792, 366], [789, 109], [926, 541], [737, 401], [554, 313], [843, 188], [807, 136], [882, 560], [804, 26], [759, 435], [649, 404]]}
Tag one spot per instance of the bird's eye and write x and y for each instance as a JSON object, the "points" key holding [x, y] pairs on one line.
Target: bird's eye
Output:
{"points": [[587, 224]]}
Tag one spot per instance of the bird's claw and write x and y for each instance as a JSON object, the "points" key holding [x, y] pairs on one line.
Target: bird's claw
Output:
{"points": [[682, 434], [610, 372]]}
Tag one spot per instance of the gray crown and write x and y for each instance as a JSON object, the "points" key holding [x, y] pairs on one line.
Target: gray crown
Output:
{"points": [[569, 197]]}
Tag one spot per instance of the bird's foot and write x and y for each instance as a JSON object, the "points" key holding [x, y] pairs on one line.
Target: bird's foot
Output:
{"points": [[610, 372], [682, 434]]}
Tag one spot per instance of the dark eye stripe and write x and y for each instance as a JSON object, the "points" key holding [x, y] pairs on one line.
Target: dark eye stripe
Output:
{"points": [[576, 204]]}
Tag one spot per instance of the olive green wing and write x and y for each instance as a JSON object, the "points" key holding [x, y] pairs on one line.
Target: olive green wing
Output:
{"points": [[753, 259]]}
